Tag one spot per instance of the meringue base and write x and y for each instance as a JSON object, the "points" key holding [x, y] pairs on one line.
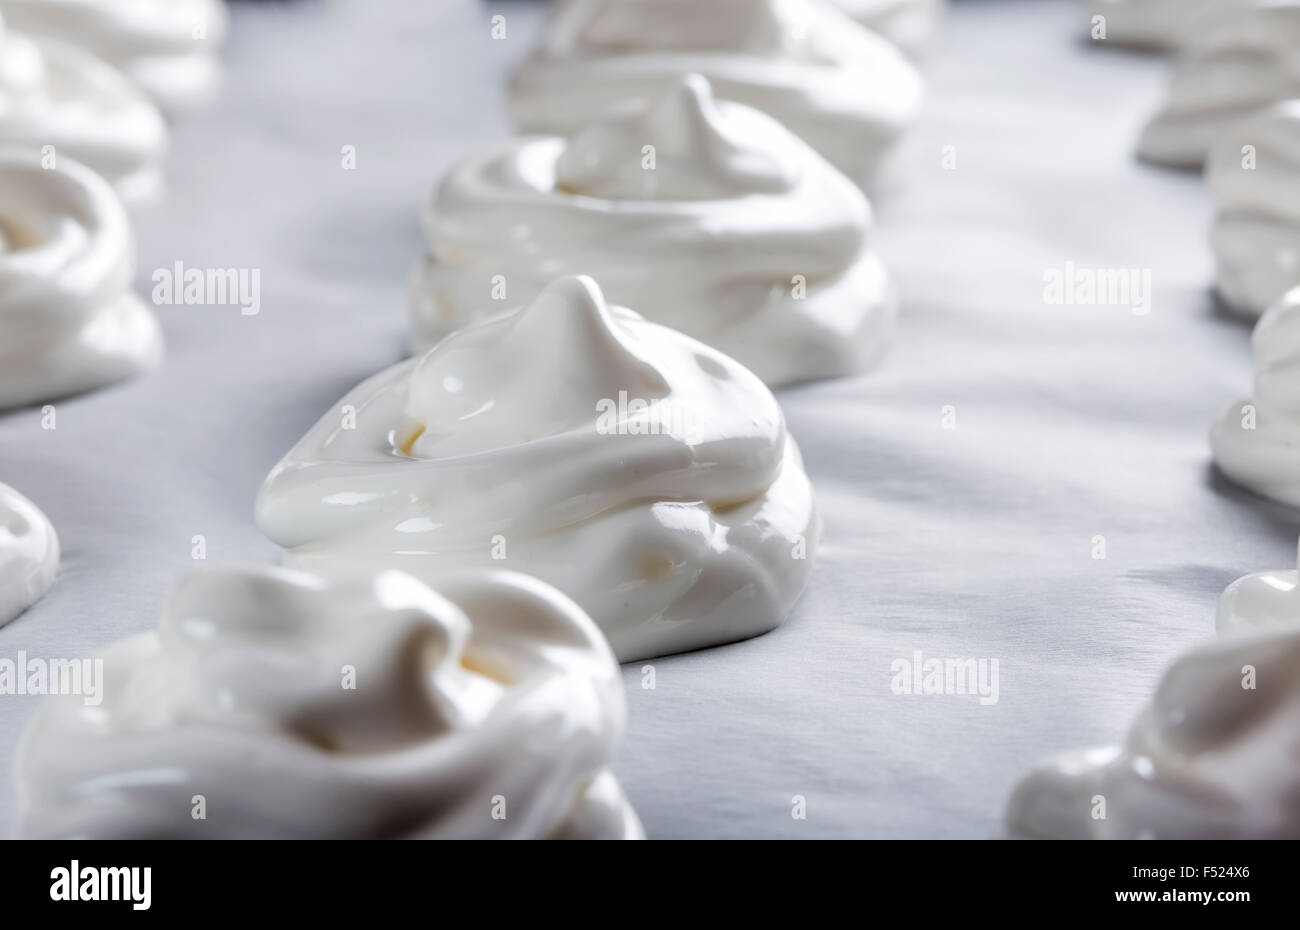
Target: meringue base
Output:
{"points": [[658, 578], [1258, 261], [120, 342], [602, 812], [29, 554], [1265, 459], [1182, 141], [842, 326]]}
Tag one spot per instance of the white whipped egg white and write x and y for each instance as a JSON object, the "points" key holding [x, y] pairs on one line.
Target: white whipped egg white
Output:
{"points": [[29, 554], [705, 215], [845, 90], [1239, 60], [277, 704], [641, 472], [69, 321], [907, 23], [1256, 441], [168, 48], [59, 101], [1254, 176], [1216, 753]]}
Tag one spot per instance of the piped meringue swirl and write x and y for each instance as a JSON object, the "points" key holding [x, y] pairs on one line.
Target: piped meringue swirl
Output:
{"points": [[1254, 175], [29, 554], [907, 23], [644, 474], [744, 237], [57, 101], [845, 90], [168, 48], [1256, 442], [364, 707], [69, 321], [1216, 754], [1164, 25], [1237, 61]]}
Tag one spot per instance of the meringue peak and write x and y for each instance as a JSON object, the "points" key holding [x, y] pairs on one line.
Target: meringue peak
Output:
{"points": [[478, 388], [684, 146]]}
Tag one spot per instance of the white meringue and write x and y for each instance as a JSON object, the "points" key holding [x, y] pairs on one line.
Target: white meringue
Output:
{"points": [[69, 321], [742, 236], [293, 707], [57, 101], [1216, 755], [1165, 25], [644, 474], [1254, 175], [1256, 442], [1236, 62], [29, 554], [848, 92], [167, 47], [907, 23]]}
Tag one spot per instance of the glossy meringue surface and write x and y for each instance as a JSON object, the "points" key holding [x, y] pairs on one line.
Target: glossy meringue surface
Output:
{"points": [[644, 474], [1256, 441], [744, 237], [1254, 176], [29, 554], [1238, 61], [907, 23], [361, 707], [845, 90], [1216, 753], [69, 321], [58, 100], [1165, 25], [168, 48]]}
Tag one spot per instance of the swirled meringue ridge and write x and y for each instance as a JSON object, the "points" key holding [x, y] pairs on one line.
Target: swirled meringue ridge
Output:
{"points": [[365, 707], [743, 237], [1238, 61], [166, 47], [69, 321], [1256, 442], [1214, 754], [60, 101], [643, 473], [845, 90], [29, 554]]}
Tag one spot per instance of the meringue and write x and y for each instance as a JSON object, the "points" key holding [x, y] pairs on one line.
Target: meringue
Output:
{"points": [[644, 474], [1164, 25], [69, 321], [29, 554], [1256, 442], [848, 92], [60, 101], [168, 48], [275, 704], [1216, 755], [743, 237], [1235, 63], [1254, 175], [907, 23]]}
